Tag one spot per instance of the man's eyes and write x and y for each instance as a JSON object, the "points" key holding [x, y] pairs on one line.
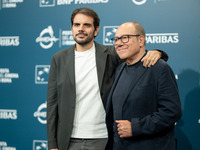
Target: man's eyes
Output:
{"points": [[76, 24], [86, 25], [124, 37]]}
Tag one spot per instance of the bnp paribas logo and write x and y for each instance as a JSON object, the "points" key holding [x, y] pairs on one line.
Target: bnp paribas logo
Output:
{"points": [[162, 38]]}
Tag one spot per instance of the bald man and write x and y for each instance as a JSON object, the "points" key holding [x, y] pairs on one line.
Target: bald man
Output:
{"points": [[144, 103]]}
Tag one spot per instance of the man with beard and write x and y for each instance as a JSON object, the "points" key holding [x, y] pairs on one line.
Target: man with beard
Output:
{"points": [[80, 79]]}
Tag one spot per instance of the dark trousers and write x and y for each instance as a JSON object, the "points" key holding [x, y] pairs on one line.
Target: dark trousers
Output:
{"points": [[87, 144]]}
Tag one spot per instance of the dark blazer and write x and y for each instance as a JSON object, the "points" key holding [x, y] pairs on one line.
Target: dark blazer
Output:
{"points": [[152, 104], [61, 94]]}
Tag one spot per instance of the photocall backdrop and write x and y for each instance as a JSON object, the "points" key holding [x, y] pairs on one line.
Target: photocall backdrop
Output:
{"points": [[31, 31]]}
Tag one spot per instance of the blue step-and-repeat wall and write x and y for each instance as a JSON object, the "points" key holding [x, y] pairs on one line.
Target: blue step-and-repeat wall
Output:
{"points": [[31, 31]]}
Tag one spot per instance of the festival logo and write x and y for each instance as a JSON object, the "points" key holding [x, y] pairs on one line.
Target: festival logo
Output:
{"points": [[10, 3], [139, 2], [6, 76], [142, 2], [47, 38], [66, 38], [4, 146], [41, 113]]}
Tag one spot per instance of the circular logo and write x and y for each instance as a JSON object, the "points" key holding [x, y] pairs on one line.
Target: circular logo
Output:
{"points": [[46, 38], [139, 2], [41, 113]]}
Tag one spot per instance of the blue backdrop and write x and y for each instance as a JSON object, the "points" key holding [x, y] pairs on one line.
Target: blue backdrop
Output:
{"points": [[32, 31]]}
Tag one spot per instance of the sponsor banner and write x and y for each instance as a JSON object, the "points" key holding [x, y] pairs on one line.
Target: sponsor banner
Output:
{"points": [[6, 41], [142, 2], [139, 2], [162, 38], [66, 38], [10, 3], [47, 3], [41, 74], [41, 113], [4, 146], [52, 3], [108, 34], [47, 39], [151, 38], [8, 114], [40, 145], [6, 76]]}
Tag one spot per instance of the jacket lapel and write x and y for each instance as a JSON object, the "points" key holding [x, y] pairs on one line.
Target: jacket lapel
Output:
{"points": [[101, 56], [69, 64], [138, 74], [140, 70], [117, 76]]}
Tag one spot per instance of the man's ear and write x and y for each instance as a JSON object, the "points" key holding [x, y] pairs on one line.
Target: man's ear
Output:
{"points": [[96, 31], [142, 40]]}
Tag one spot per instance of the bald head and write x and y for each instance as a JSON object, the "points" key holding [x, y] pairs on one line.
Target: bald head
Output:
{"points": [[133, 28], [130, 42]]}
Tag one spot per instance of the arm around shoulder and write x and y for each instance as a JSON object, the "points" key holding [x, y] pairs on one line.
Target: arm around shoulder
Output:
{"points": [[153, 56], [164, 55]]}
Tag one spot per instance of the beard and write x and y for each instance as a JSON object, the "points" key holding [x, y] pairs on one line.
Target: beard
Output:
{"points": [[88, 39]]}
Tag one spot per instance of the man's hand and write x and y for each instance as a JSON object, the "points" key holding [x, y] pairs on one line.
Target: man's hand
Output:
{"points": [[151, 58], [124, 128]]}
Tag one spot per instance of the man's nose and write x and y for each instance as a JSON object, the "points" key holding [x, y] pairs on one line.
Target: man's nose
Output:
{"points": [[119, 43], [81, 28]]}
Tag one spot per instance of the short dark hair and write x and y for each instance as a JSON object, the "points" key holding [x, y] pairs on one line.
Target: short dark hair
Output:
{"points": [[88, 12]]}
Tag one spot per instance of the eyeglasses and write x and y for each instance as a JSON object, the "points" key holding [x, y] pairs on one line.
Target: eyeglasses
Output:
{"points": [[123, 38]]}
